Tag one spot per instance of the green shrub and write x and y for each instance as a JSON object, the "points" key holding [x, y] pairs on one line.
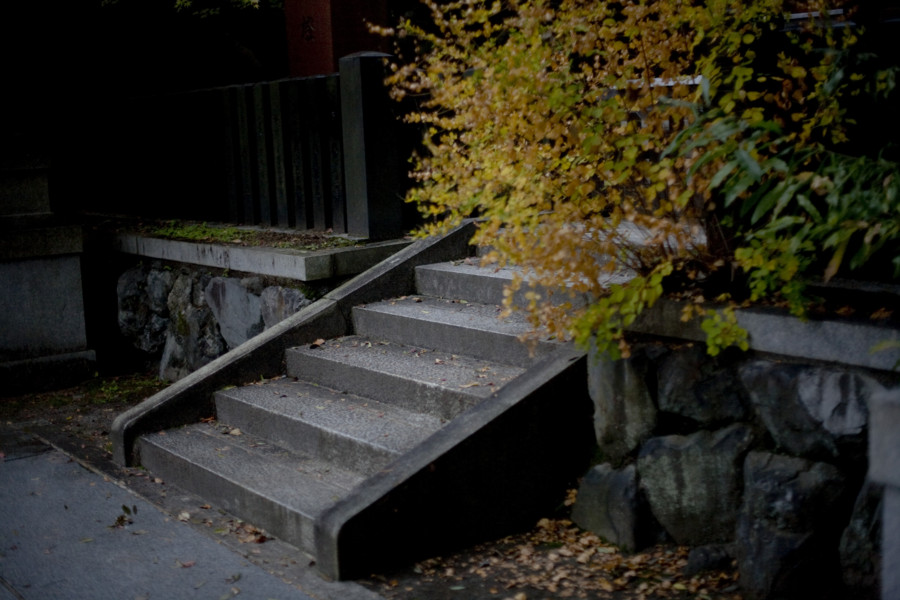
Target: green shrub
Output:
{"points": [[689, 142]]}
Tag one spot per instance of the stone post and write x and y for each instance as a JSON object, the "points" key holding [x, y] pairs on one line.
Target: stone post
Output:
{"points": [[374, 170], [884, 467]]}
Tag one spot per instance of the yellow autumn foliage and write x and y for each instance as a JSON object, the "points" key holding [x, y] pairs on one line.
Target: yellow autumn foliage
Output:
{"points": [[553, 123]]}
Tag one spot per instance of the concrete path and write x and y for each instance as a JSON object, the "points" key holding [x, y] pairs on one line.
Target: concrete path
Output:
{"points": [[70, 533]]}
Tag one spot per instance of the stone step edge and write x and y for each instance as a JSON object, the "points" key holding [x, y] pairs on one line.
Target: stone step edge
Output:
{"points": [[317, 429], [465, 382], [283, 508], [469, 328], [458, 276]]}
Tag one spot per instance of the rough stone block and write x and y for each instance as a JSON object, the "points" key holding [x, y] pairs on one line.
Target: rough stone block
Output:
{"points": [[143, 306], [278, 303], [860, 547], [694, 385], [624, 409], [693, 482], [237, 310], [788, 528], [192, 338], [611, 505], [819, 413]]}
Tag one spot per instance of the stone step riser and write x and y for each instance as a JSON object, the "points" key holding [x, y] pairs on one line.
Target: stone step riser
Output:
{"points": [[292, 526], [415, 396], [470, 339], [296, 435], [471, 284], [487, 286]]}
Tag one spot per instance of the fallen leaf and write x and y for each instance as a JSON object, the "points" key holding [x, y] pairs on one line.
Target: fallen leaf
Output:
{"points": [[882, 313], [317, 343], [468, 385]]}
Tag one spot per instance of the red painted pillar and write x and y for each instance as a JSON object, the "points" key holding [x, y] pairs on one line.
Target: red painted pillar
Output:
{"points": [[309, 37], [320, 32]]}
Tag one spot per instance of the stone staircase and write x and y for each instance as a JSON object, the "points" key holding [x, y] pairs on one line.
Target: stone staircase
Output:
{"points": [[408, 428]]}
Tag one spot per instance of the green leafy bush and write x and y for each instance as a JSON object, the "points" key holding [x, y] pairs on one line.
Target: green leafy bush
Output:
{"points": [[694, 144]]}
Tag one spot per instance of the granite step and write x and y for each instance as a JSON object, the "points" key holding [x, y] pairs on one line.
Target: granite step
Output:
{"points": [[432, 382], [280, 491], [456, 326], [347, 430], [463, 280], [468, 280], [349, 412]]}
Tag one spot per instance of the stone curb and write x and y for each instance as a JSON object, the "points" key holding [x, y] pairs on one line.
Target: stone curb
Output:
{"points": [[290, 264], [776, 332]]}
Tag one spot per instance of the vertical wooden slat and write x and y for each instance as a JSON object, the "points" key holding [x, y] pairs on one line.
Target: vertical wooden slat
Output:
{"points": [[282, 211], [245, 154], [309, 103], [232, 157], [269, 153], [296, 150], [261, 122], [335, 154]]}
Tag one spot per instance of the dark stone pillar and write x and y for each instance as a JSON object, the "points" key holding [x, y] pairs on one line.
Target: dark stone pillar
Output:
{"points": [[374, 168]]}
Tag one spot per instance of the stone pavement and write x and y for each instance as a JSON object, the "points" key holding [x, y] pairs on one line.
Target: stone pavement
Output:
{"points": [[70, 532]]}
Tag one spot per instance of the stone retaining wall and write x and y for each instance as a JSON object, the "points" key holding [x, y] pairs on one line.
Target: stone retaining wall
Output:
{"points": [[748, 457], [187, 316]]}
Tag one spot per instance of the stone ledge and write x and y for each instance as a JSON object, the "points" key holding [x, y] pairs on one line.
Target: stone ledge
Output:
{"points": [[775, 332], [19, 241], [291, 264], [47, 372]]}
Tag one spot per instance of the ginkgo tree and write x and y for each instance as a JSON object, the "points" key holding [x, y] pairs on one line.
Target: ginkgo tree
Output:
{"points": [[680, 143]]}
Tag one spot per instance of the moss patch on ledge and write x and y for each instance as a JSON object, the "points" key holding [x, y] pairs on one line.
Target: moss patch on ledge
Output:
{"points": [[229, 234], [246, 236]]}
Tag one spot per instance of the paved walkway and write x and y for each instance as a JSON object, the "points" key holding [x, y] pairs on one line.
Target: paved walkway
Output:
{"points": [[70, 533]]}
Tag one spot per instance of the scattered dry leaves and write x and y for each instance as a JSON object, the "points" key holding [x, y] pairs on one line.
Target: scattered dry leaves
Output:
{"points": [[557, 560]]}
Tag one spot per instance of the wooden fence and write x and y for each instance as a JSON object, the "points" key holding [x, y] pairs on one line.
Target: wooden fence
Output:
{"points": [[316, 153], [284, 154]]}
